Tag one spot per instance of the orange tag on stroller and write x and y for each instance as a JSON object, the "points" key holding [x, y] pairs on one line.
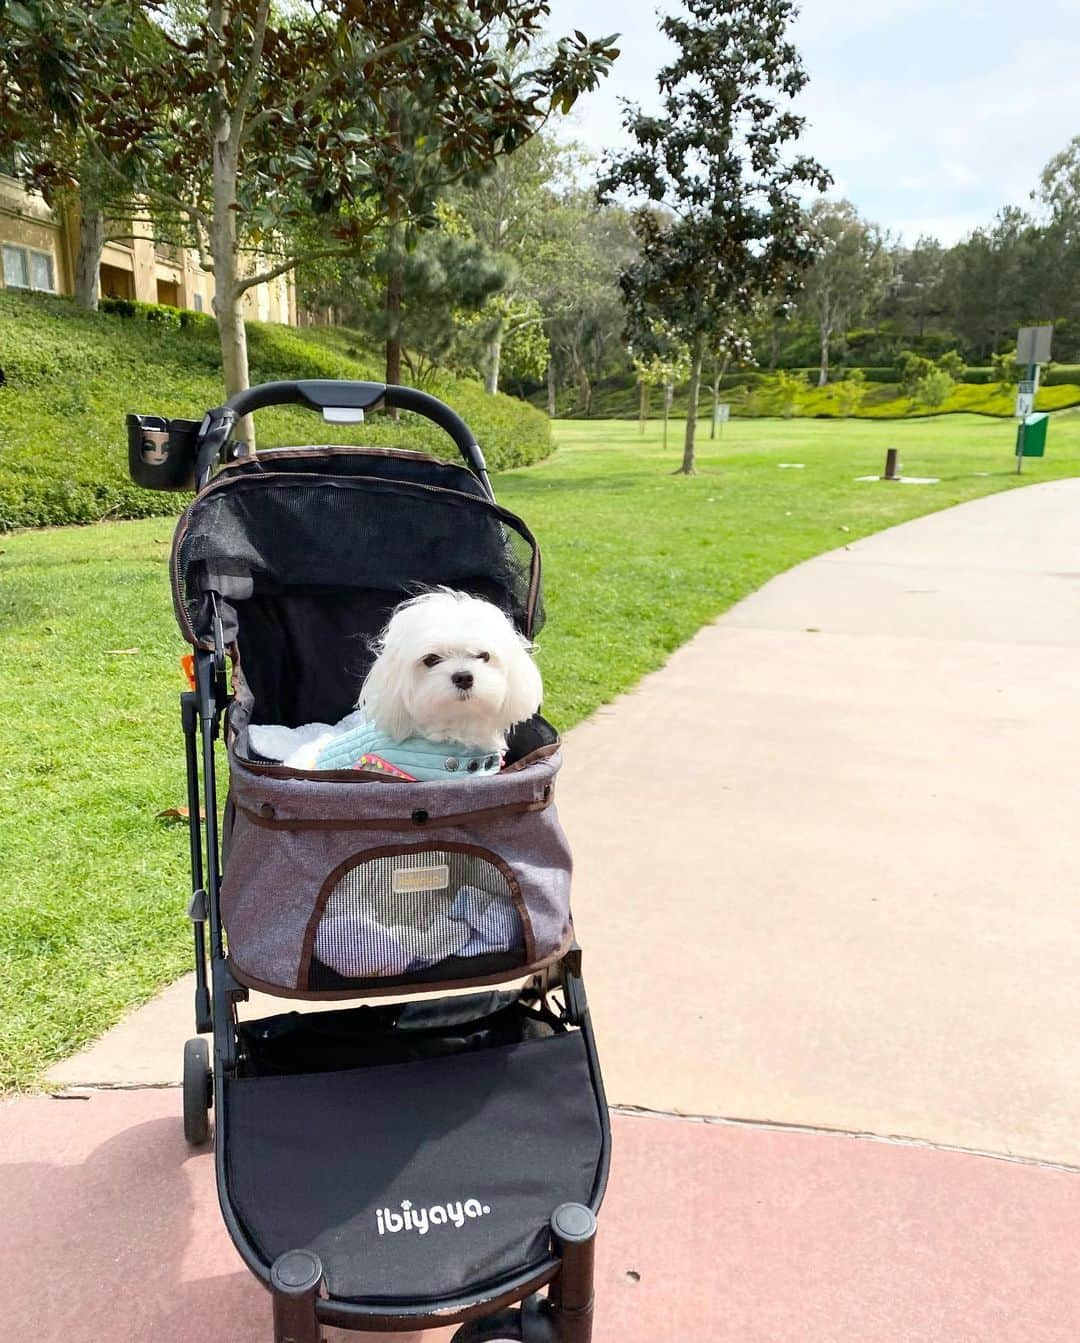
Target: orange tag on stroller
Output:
{"points": [[187, 664]]}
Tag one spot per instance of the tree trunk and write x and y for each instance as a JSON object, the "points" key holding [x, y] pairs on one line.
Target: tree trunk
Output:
{"points": [[718, 374], [823, 372], [774, 346], [228, 309], [643, 404], [494, 359], [394, 287], [88, 258], [696, 359], [551, 389]]}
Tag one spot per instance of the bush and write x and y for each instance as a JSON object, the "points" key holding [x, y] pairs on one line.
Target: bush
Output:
{"points": [[933, 388], [851, 393], [913, 369], [951, 363], [70, 377], [1007, 372]]}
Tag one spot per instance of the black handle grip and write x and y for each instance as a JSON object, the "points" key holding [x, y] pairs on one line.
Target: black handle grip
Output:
{"points": [[322, 393]]}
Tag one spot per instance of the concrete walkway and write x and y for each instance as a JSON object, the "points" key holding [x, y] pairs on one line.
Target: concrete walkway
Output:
{"points": [[826, 876]]}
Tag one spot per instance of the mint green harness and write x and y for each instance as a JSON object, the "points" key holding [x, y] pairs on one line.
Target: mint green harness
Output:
{"points": [[415, 758]]}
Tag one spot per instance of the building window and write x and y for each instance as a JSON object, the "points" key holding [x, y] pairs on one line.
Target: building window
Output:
{"points": [[27, 268], [198, 302]]}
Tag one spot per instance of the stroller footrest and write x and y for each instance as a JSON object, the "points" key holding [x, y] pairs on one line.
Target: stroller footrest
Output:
{"points": [[416, 1181]]}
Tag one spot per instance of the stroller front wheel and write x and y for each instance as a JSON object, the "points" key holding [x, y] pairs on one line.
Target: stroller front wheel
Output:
{"points": [[198, 1092]]}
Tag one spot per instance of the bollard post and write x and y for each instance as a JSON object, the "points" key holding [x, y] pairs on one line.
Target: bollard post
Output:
{"points": [[891, 455]]}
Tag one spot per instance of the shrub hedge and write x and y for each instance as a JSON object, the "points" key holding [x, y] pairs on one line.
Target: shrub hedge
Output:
{"points": [[69, 377]]}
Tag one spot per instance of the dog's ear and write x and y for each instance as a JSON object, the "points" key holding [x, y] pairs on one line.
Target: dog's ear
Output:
{"points": [[524, 688], [381, 695]]}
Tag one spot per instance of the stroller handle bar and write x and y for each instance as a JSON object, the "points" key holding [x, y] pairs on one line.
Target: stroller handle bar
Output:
{"points": [[168, 454], [329, 394]]}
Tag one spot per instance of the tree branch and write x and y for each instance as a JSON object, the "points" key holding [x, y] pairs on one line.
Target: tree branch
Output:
{"points": [[320, 85], [246, 282], [247, 84]]}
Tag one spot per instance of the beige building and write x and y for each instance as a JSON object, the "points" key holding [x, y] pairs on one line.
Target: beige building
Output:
{"points": [[38, 248]]}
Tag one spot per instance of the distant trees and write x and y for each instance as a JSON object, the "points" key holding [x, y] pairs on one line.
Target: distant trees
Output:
{"points": [[849, 273], [723, 222]]}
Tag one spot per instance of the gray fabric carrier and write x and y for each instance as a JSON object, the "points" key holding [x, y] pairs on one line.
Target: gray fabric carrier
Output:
{"points": [[335, 886]]}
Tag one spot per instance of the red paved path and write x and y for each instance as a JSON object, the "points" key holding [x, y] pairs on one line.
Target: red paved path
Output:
{"points": [[110, 1232]]}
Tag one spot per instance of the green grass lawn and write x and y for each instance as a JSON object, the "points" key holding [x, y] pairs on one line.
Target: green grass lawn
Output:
{"points": [[93, 885]]}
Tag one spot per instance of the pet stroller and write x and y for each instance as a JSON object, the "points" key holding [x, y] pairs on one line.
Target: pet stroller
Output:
{"points": [[430, 1157]]}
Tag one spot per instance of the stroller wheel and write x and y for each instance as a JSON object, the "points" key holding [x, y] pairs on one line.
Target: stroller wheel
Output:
{"points": [[198, 1092], [505, 1327]]}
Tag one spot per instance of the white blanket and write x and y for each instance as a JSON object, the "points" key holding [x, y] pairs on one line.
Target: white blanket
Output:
{"points": [[298, 747]]}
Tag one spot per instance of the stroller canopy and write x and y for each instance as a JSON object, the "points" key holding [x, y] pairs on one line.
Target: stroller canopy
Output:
{"points": [[302, 554]]}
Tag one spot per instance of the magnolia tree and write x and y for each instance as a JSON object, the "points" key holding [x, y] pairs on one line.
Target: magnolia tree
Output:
{"points": [[724, 223], [277, 133], [45, 49]]}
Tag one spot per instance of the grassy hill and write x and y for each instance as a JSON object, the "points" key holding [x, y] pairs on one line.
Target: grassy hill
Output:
{"points": [[70, 377]]}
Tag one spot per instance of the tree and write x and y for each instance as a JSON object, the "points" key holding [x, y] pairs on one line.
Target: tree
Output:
{"points": [[444, 282], [849, 273], [510, 211], [284, 145], [729, 226], [41, 135], [917, 280], [660, 360], [590, 246]]}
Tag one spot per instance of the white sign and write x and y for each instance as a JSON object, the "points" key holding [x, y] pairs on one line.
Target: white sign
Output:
{"points": [[721, 412], [1025, 403]]}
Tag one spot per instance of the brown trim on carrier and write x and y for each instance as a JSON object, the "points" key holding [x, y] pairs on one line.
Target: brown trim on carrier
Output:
{"points": [[398, 985], [278, 771], [307, 949], [266, 818]]}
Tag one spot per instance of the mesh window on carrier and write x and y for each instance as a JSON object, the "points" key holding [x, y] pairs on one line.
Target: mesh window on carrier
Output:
{"points": [[400, 913]]}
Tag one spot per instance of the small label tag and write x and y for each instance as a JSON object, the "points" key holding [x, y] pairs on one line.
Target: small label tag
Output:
{"points": [[407, 879]]}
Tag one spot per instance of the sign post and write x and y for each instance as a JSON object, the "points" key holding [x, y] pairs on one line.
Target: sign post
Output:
{"points": [[721, 413], [1032, 349]]}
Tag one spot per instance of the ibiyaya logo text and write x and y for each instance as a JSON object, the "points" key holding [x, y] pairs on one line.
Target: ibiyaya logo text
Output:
{"points": [[422, 1219]]}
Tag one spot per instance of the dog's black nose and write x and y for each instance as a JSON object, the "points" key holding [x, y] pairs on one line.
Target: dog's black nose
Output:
{"points": [[463, 680]]}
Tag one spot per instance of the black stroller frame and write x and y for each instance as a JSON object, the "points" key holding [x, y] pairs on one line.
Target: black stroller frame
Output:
{"points": [[508, 1305]]}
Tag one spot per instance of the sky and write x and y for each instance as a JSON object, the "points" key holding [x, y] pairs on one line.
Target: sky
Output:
{"points": [[931, 116]]}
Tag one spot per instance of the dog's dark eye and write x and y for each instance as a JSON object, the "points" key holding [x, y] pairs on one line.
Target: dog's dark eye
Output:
{"points": [[432, 660], [484, 657]]}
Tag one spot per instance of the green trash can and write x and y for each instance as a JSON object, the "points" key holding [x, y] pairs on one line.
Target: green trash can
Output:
{"points": [[1031, 435]]}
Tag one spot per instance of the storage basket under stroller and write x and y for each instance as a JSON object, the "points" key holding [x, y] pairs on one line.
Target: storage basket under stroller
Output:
{"points": [[419, 1162]]}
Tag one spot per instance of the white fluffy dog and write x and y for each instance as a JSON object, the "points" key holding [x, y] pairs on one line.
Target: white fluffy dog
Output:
{"points": [[450, 667], [451, 677]]}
